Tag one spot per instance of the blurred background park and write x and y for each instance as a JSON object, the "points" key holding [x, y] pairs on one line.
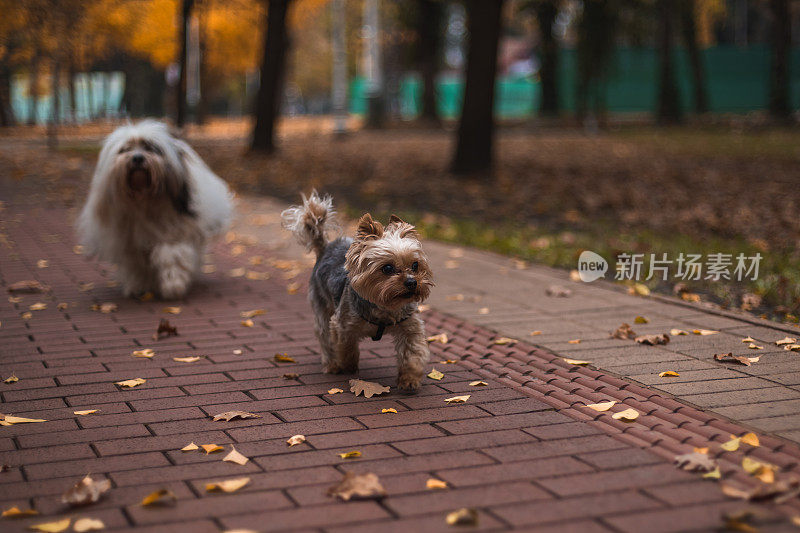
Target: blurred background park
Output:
{"points": [[535, 128]]}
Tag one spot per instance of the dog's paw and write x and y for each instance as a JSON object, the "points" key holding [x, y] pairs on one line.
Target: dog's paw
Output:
{"points": [[173, 283], [408, 384]]}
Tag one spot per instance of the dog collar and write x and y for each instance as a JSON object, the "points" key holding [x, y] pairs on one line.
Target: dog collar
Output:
{"points": [[383, 325], [363, 306]]}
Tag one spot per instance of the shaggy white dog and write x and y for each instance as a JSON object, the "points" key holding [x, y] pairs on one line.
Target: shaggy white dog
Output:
{"points": [[152, 206]]}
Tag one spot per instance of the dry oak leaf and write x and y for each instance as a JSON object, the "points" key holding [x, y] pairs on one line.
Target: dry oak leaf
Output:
{"points": [[230, 415], [130, 383], [653, 340], [478, 384], [86, 491], [252, 313], [678, 332], [435, 484], [367, 388], [457, 399], [704, 332], [236, 457], [623, 332], [641, 320], [191, 359], [441, 338], [283, 358], [730, 358], [172, 310], [462, 517], [82, 525], [435, 374], [557, 291], [85, 412], [159, 497], [358, 487], [792, 347], [785, 340], [27, 286], [211, 448], [575, 361], [295, 440], [11, 419], [52, 527], [628, 415], [602, 406], [350, 455], [165, 329], [389, 410], [190, 447], [11, 379], [146, 352], [16, 512], [335, 391], [38, 306], [668, 374], [503, 341], [695, 462]]}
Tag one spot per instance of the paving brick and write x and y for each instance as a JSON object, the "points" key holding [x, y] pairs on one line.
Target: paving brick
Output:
{"points": [[552, 448], [478, 496], [312, 517], [211, 506], [519, 470]]}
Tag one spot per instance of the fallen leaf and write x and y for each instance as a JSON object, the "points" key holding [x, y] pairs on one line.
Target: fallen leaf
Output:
{"points": [[10, 419], [502, 341], [283, 358], [254, 275], [335, 391], [714, 474], [27, 286], [146, 297], [535, 333], [695, 462], [748, 339], [236, 457], [82, 525], [146, 352], [350, 455], [792, 347], [785, 340], [291, 376], [42, 263], [191, 359], [52, 527], [639, 289], [441, 338], [172, 310], [751, 439], [389, 410], [602, 406], [86, 287], [211, 448], [731, 445], [164, 330], [478, 384], [753, 346], [358, 487], [435, 484], [159, 498], [209, 269], [641, 320], [574, 341], [27, 315], [668, 374], [455, 297], [462, 517], [237, 352], [16, 512], [448, 362], [367, 388], [247, 323], [14, 299], [292, 288], [230, 415], [677, 332], [105, 308], [86, 412], [575, 361], [252, 313], [38, 306], [628, 415], [190, 447], [557, 291], [457, 399], [704, 332], [237, 272], [435, 374], [754, 468], [130, 383], [295, 440], [701, 450], [483, 311], [86, 491], [730, 358], [623, 332], [11, 379], [62, 306], [653, 340]]}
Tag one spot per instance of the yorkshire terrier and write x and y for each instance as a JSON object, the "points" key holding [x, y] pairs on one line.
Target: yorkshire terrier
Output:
{"points": [[365, 287]]}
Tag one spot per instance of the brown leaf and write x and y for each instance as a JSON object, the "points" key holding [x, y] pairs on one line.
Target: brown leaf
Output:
{"points": [[462, 517], [86, 491], [283, 358], [435, 484], [236, 457], [457, 399], [130, 383], [358, 487], [11, 379], [653, 340], [164, 330], [172, 310], [27, 286], [295, 440], [557, 291], [623, 332], [367, 388], [211, 448], [730, 358], [252, 313], [641, 320], [695, 462], [158, 498], [441, 337], [230, 415], [291, 376], [228, 485]]}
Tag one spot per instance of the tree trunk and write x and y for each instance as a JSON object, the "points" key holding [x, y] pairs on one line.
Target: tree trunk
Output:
{"points": [[780, 106], [33, 88], [429, 25], [270, 90], [546, 12], [202, 103], [669, 109], [180, 96], [6, 113], [689, 28], [474, 147], [55, 104]]}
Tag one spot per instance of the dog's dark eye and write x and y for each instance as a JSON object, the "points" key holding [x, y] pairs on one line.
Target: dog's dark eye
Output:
{"points": [[149, 147], [388, 269], [414, 266], [123, 150]]}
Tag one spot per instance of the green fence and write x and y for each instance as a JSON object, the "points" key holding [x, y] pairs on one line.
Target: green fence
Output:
{"points": [[737, 82]]}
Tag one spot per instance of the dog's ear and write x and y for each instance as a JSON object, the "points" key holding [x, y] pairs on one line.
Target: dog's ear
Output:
{"points": [[394, 219], [369, 229], [403, 229]]}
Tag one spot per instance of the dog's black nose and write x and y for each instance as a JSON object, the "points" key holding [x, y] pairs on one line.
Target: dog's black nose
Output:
{"points": [[137, 159], [410, 283]]}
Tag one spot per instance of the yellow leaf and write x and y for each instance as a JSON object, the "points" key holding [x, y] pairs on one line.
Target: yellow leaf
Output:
{"points": [[237, 272], [335, 391], [77, 249], [753, 346], [462, 517], [535, 333], [130, 383], [16, 512], [483, 311], [236, 457], [748, 339], [190, 447], [767, 474], [751, 466], [389, 410], [669, 374], [146, 352], [350, 455], [211, 448], [292, 288], [87, 524], [254, 275], [704, 332], [252, 313], [38, 306], [478, 384], [86, 412], [575, 361], [714, 474], [297, 439], [52, 527], [247, 323], [105, 308], [441, 338], [641, 320], [186, 359], [283, 358], [433, 484], [701, 450], [9, 419], [435, 374], [42, 263], [602, 406], [732, 445], [62, 306], [11, 379], [209, 269], [448, 362], [574, 341], [628, 415], [502, 341], [751, 439], [160, 497], [455, 297], [27, 315], [172, 310], [457, 399], [785, 340]]}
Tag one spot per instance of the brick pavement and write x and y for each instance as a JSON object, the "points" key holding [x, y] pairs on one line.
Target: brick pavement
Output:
{"points": [[524, 450]]}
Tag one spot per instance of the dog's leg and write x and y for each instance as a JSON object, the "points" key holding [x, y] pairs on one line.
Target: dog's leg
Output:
{"points": [[412, 354], [322, 320], [344, 345], [174, 264]]}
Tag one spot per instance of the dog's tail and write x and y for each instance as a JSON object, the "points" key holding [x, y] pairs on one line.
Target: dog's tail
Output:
{"points": [[310, 221]]}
